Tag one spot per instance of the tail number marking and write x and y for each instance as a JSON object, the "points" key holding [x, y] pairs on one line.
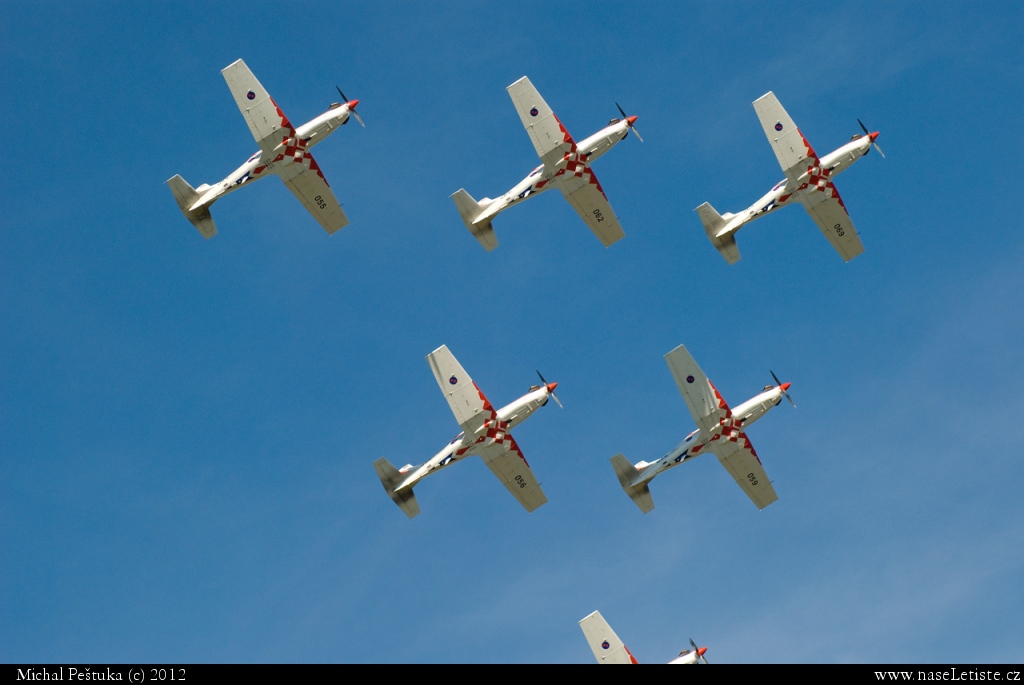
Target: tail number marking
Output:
{"points": [[522, 483], [323, 205], [598, 215], [839, 230], [752, 478]]}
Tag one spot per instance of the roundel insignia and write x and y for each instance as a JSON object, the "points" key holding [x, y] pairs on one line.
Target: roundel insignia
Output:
{"points": [[453, 380], [778, 126], [605, 645], [251, 95], [689, 379], [533, 112]]}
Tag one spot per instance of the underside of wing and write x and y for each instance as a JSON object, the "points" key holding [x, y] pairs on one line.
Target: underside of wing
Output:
{"points": [[604, 643], [468, 404], [792, 150], [739, 459], [581, 188], [705, 404], [507, 462], [549, 137], [307, 183], [268, 124], [828, 211]]}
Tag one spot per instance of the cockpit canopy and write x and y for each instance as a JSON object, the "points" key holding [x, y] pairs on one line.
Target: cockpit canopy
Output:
{"points": [[614, 121], [334, 105]]}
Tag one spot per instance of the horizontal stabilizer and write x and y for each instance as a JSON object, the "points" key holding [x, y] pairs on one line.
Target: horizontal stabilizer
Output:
{"points": [[390, 478], [627, 473], [186, 197], [470, 210], [713, 225]]}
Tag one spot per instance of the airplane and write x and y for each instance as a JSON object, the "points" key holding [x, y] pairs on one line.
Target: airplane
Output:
{"points": [[565, 165], [808, 180], [720, 430], [284, 150], [485, 433], [609, 649]]}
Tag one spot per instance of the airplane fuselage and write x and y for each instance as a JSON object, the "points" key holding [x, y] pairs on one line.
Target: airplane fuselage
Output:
{"points": [[540, 178], [291, 150], [492, 431], [786, 190], [696, 443]]}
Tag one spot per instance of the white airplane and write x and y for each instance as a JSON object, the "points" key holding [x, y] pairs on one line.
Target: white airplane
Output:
{"points": [[808, 180], [609, 649], [565, 165], [720, 430], [284, 150], [485, 433]]}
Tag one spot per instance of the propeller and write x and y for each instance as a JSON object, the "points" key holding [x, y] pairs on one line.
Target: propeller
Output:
{"points": [[352, 106], [872, 136], [783, 386], [631, 122], [551, 390], [699, 651]]}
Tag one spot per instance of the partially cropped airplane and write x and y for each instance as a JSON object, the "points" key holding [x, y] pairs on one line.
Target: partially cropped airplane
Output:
{"points": [[565, 165], [485, 433], [609, 649], [808, 181], [284, 151], [720, 430]]}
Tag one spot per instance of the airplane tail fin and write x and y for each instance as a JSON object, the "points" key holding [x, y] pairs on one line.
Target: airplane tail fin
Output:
{"points": [[606, 645], [186, 197], [470, 210], [390, 477], [713, 224], [627, 473]]}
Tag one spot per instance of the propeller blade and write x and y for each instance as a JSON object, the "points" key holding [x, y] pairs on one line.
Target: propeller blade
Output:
{"points": [[630, 121], [873, 143], [784, 390], [351, 111], [699, 651], [551, 390]]}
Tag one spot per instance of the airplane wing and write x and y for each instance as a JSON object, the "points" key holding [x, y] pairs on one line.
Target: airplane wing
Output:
{"points": [[549, 137], [268, 124], [307, 183], [702, 399], [507, 462], [468, 404], [739, 459], [606, 645], [581, 188], [797, 157], [794, 153], [829, 212]]}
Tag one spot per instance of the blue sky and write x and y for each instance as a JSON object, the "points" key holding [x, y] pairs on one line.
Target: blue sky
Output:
{"points": [[187, 427]]}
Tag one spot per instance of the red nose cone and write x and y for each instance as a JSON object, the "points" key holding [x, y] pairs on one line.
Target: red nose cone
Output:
{"points": [[551, 387], [700, 652], [631, 120], [353, 103], [872, 136], [784, 387]]}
